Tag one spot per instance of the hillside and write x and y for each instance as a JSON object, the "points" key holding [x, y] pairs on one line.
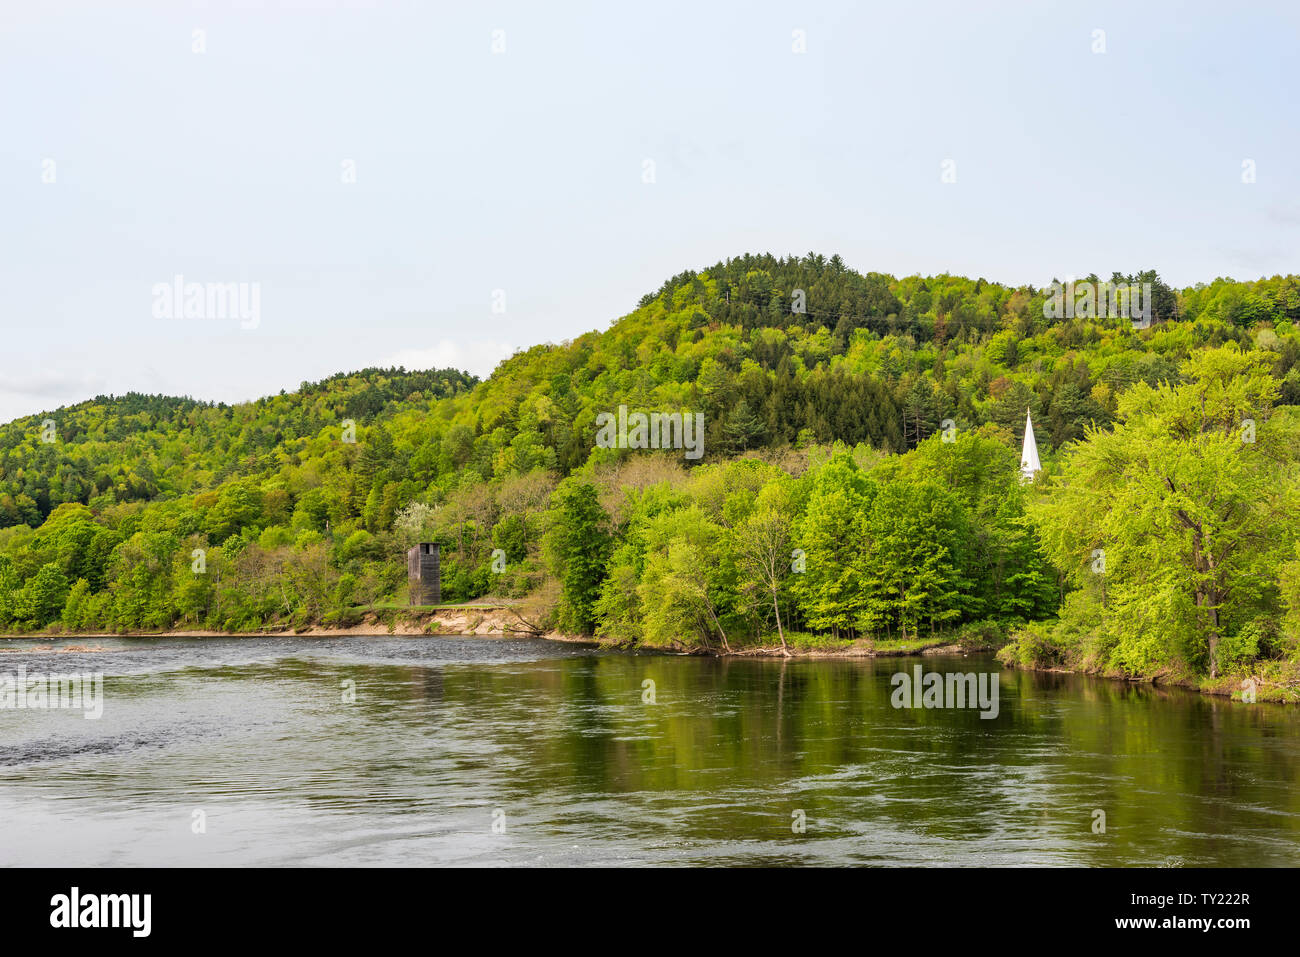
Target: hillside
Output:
{"points": [[141, 448], [889, 407]]}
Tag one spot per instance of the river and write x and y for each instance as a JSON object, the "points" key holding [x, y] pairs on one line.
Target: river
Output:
{"points": [[477, 751]]}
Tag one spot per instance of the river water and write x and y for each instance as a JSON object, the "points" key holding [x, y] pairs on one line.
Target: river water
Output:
{"points": [[476, 751]]}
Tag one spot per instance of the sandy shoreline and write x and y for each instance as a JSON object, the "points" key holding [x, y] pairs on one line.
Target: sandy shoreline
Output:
{"points": [[499, 623], [464, 621]]}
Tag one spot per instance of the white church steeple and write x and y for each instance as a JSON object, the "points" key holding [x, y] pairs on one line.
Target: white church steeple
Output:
{"points": [[1029, 454]]}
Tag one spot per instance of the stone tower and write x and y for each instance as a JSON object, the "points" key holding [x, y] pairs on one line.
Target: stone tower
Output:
{"points": [[423, 574]]}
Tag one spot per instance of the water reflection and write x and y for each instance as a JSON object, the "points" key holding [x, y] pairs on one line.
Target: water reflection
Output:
{"points": [[444, 732]]}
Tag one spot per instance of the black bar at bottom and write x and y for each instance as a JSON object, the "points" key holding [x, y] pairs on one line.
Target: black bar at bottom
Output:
{"points": [[331, 906]]}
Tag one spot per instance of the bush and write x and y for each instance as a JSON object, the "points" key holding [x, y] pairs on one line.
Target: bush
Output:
{"points": [[464, 582], [1242, 648], [984, 634], [1033, 646]]}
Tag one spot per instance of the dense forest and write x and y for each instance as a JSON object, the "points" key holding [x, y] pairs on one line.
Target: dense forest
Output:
{"points": [[859, 480]]}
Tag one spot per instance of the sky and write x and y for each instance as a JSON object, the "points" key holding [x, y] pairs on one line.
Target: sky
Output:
{"points": [[433, 184]]}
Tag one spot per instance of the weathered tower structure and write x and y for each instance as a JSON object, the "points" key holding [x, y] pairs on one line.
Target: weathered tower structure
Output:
{"points": [[423, 574]]}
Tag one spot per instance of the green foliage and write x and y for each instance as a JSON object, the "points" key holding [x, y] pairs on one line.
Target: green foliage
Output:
{"points": [[688, 585], [918, 539], [1289, 585], [10, 586], [832, 534], [1242, 647], [578, 545], [41, 600], [876, 432], [511, 536], [1034, 647], [1184, 509]]}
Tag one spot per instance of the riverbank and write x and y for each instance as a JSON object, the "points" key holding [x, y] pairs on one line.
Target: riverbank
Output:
{"points": [[1273, 682], [1279, 682], [502, 621], [485, 619], [481, 621], [498, 625], [863, 648]]}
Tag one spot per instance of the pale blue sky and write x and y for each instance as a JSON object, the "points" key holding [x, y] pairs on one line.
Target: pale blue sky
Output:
{"points": [[522, 171]]}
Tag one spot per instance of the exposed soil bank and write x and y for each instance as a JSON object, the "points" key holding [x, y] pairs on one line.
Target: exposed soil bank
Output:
{"points": [[487, 622], [500, 621]]}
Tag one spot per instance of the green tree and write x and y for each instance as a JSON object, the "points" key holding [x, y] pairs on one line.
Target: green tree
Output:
{"points": [[831, 586], [10, 584], [1185, 504], [688, 586], [578, 545], [78, 608], [760, 542], [918, 532], [43, 596]]}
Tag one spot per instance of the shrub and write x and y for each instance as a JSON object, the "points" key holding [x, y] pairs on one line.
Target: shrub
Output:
{"points": [[1241, 648], [1033, 646]]}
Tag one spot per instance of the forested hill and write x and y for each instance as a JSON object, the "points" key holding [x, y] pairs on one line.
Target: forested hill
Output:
{"points": [[870, 359], [299, 505], [137, 448]]}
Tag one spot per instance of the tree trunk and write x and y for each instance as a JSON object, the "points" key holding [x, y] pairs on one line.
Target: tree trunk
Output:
{"points": [[717, 624], [1208, 599], [779, 630], [1213, 599]]}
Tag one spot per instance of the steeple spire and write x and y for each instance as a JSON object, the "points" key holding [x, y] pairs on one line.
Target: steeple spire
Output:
{"points": [[1029, 454]]}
